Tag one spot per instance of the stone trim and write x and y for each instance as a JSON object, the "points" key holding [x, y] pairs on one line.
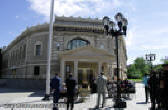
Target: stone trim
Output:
{"points": [[65, 28]]}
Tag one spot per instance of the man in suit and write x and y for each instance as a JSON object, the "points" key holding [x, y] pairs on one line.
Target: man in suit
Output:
{"points": [[55, 87], [70, 84], [101, 88]]}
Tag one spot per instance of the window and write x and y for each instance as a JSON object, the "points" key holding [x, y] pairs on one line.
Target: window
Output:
{"points": [[36, 70], [38, 50], [102, 46], [58, 46], [68, 69], [24, 51], [76, 43]]}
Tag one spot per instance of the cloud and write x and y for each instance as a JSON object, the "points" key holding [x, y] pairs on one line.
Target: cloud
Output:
{"points": [[130, 36], [16, 17], [160, 31], [84, 8], [155, 47]]}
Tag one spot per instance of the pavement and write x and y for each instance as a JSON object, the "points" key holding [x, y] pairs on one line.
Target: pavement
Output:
{"points": [[23, 98]]}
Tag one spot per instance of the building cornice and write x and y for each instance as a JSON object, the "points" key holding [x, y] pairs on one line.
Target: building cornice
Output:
{"points": [[78, 19], [57, 27]]}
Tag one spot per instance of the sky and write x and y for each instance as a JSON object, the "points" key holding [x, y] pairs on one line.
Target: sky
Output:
{"points": [[147, 20]]}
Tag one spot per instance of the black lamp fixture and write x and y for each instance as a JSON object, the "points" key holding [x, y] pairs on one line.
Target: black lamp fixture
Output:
{"points": [[150, 57], [111, 28], [114, 30]]}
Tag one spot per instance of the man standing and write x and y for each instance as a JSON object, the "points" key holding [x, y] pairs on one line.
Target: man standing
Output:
{"points": [[145, 81], [55, 86], [71, 84], [101, 88], [152, 85]]}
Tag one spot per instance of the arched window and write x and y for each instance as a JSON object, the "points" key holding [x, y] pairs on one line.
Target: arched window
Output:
{"points": [[76, 43]]}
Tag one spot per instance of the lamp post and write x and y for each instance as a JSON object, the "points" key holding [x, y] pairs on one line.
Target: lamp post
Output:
{"points": [[151, 57], [116, 31], [47, 94]]}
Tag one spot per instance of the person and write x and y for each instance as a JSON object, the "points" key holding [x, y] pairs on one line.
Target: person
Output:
{"points": [[55, 87], [94, 88], [152, 86], [101, 88], [70, 84], [145, 81], [63, 91]]}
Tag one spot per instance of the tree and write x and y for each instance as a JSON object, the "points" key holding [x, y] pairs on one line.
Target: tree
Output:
{"points": [[138, 68], [165, 61]]}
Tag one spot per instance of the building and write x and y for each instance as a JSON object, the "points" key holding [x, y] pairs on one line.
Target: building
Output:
{"points": [[0, 61], [79, 46]]}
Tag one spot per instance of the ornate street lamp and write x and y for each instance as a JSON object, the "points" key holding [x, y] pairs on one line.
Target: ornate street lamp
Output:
{"points": [[115, 31], [151, 57]]}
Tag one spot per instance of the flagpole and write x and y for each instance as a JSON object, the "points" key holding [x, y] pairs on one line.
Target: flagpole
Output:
{"points": [[47, 95]]}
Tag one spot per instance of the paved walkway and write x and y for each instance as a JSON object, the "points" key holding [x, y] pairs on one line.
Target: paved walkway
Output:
{"points": [[11, 96]]}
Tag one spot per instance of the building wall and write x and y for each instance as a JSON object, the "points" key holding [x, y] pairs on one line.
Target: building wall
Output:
{"points": [[0, 62], [20, 59]]}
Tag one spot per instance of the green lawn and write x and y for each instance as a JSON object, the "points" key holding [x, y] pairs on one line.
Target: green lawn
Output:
{"points": [[136, 80]]}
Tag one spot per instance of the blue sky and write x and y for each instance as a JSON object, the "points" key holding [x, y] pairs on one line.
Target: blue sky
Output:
{"points": [[147, 29]]}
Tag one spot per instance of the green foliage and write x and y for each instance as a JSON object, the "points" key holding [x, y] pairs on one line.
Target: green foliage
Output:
{"points": [[138, 69], [166, 62], [157, 67], [136, 80]]}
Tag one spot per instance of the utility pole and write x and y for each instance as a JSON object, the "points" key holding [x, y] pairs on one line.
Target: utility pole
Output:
{"points": [[47, 95]]}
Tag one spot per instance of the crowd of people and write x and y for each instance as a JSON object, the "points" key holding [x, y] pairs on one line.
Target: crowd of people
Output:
{"points": [[156, 86], [69, 90]]}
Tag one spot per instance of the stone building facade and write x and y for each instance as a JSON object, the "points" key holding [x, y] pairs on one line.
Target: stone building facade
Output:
{"points": [[79, 46]]}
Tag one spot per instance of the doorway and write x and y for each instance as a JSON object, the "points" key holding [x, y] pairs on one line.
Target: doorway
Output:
{"points": [[85, 76]]}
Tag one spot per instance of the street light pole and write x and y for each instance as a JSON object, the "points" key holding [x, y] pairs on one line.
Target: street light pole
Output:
{"points": [[151, 57], [110, 28], [47, 95], [118, 80]]}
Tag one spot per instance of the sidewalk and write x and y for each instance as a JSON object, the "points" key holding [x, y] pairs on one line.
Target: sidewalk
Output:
{"points": [[8, 96]]}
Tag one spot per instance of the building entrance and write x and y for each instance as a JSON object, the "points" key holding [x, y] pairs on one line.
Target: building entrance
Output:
{"points": [[85, 76], [87, 72]]}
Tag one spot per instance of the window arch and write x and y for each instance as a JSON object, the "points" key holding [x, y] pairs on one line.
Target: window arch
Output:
{"points": [[77, 42]]}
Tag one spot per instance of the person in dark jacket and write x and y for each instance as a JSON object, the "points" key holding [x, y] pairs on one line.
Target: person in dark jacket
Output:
{"points": [[70, 84], [55, 87], [152, 86]]}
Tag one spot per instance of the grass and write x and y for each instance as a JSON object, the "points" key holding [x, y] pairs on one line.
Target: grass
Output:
{"points": [[136, 80]]}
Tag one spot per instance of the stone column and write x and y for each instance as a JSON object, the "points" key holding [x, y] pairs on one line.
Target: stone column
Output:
{"points": [[99, 67], [62, 70], [76, 70]]}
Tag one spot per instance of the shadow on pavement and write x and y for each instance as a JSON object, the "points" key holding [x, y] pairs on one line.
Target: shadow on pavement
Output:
{"points": [[141, 103], [106, 108], [14, 90], [37, 94]]}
